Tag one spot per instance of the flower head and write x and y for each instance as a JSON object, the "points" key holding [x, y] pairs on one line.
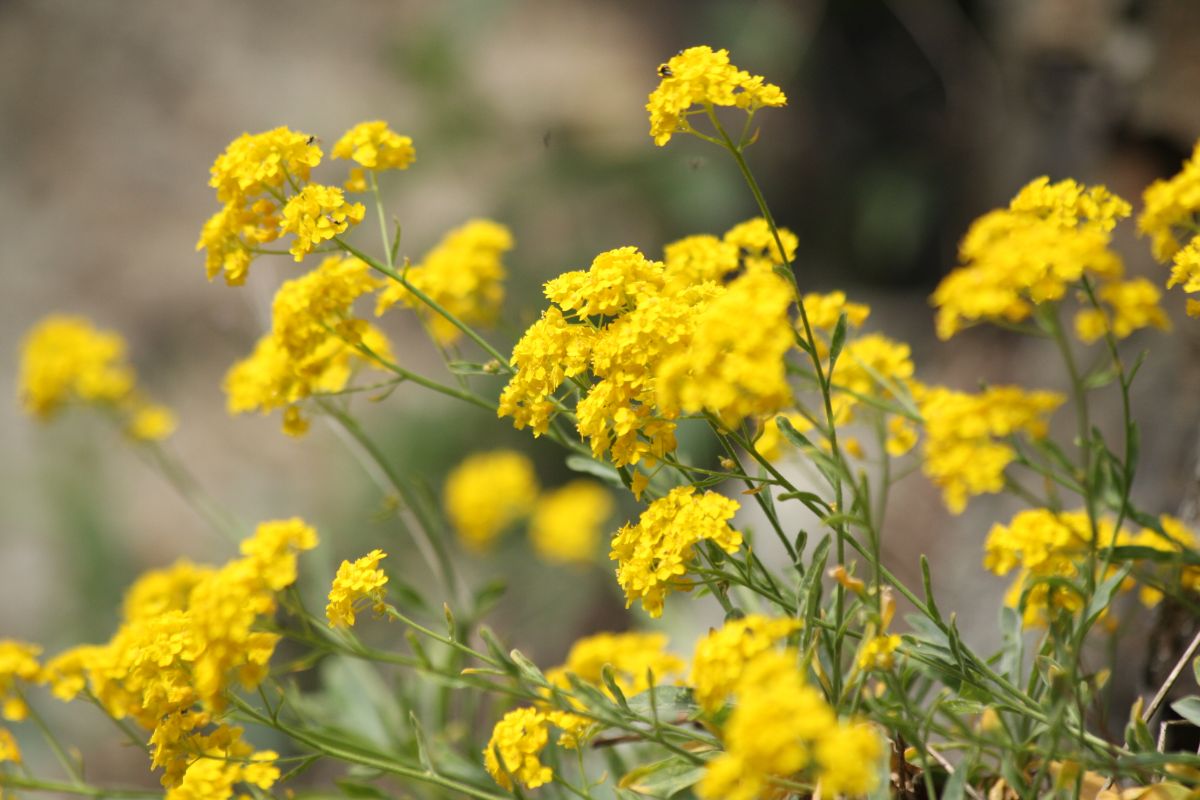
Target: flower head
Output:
{"points": [[463, 274], [655, 554], [64, 360], [486, 493], [703, 76], [317, 214], [354, 583], [375, 146], [566, 523]]}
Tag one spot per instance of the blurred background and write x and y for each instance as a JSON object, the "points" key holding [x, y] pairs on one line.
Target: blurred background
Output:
{"points": [[906, 120]]}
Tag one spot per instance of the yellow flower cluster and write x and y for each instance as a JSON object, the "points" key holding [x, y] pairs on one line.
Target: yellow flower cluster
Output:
{"points": [[567, 522], [757, 244], [1049, 238], [354, 583], [522, 734], [659, 339], [463, 274], [781, 728], [252, 166], [376, 147], [734, 371], [18, 662], [722, 656], [317, 214], [1169, 219], [1051, 551], [189, 634], [702, 76], [1131, 305], [632, 657], [486, 493], [879, 652], [64, 360], [653, 554], [519, 738], [313, 345], [257, 172], [1178, 538], [964, 452]]}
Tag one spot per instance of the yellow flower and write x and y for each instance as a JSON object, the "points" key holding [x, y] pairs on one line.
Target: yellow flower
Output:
{"points": [[486, 493], [8, 747], [1168, 217], [314, 343], [823, 311], [152, 423], [614, 283], [1132, 305], [463, 274], [757, 245], [18, 662], [375, 146], [697, 259], [317, 214], [64, 360], [253, 164], [551, 351], [783, 728], [354, 583], [722, 656], [734, 369], [847, 757], [519, 738], [188, 636], [653, 555], [878, 653], [566, 522], [964, 451], [1049, 237], [1047, 545], [632, 657], [231, 235], [702, 76]]}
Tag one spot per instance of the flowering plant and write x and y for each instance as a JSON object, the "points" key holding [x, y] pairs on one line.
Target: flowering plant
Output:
{"points": [[809, 687]]}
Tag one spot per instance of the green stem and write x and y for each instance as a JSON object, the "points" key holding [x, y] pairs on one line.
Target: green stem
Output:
{"points": [[77, 789], [429, 301], [424, 533], [372, 760]]}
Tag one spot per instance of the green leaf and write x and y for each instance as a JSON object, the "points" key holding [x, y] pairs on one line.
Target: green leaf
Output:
{"points": [[664, 778], [790, 433], [1188, 708], [597, 469], [422, 746], [836, 342], [471, 368], [527, 668], [669, 701], [927, 584], [610, 681], [1103, 597]]}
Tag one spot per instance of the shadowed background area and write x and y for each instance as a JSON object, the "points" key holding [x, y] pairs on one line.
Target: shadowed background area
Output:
{"points": [[906, 120]]}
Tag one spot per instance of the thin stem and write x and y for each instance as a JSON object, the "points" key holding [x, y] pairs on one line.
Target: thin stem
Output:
{"points": [[77, 789], [429, 301], [424, 533]]}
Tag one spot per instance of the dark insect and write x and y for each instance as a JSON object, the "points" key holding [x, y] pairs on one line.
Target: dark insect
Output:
{"points": [[664, 71], [311, 139]]}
